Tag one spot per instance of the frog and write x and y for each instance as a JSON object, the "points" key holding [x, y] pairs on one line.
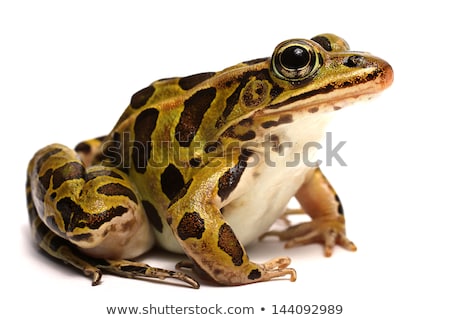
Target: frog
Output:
{"points": [[204, 165]]}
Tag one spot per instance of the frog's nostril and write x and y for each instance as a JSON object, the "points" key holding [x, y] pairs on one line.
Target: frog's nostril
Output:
{"points": [[355, 61]]}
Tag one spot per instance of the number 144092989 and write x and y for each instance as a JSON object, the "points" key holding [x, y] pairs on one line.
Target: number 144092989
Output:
{"points": [[307, 309]]}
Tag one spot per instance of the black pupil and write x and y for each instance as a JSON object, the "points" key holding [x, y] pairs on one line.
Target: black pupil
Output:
{"points": [[294, 57]]}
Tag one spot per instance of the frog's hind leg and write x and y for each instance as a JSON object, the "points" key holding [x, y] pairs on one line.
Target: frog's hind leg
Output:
{"points": [[63, 250], [327, 226], [56, 246], [90, 218]]}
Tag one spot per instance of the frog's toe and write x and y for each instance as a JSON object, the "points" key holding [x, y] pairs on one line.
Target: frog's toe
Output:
{"points": [[329, 238], [277, 267], [329, 232], [94, 273]]}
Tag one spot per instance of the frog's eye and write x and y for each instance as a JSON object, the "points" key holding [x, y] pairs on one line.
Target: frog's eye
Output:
{"points": [[295, 60]]}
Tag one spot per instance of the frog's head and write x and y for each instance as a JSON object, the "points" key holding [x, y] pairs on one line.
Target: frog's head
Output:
{"points": [[309, 76], [324, 73]]}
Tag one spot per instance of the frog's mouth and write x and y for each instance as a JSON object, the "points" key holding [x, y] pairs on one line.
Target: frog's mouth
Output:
{"points": [[339, 92]]}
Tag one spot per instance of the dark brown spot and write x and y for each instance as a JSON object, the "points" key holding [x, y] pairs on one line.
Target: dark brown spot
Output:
{"points": [[192, 115], [191, 226], [313, 110], [81, 237], [275, 143], [246, 122], [83, 147], [269, 124], [324, 42], [285, 118], [231, 102], [181, 194], [69, 171], [74, 216], [169, 79], [255, 92], [230, 244], [45, 179], [217, 272], [134, 269], [144, 126], [102, 173], [249, 135], [189, 82], [323, 90], [231, 132], [276, 91], [254, 274], [172, 181], [140, 98], [152, 215], [230, 179], [116, 189], [195, 162], [245, 155], [340, 208], [234, 97]]}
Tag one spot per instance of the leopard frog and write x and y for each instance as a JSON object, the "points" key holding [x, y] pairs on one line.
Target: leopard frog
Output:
{"points": [[202, 165]]}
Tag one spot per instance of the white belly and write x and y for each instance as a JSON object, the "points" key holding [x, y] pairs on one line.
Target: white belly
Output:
{"points": [[265, 190], [256, 210]]}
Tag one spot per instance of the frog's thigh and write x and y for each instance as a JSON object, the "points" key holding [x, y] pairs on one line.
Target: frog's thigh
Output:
{"points": [[90, 218], [119, 227]]}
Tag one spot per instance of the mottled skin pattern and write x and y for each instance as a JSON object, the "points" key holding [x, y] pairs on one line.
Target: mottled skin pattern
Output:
{"points": [[183, 168]]}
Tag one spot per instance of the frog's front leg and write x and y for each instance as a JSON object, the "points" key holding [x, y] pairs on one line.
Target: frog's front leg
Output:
{"points": [[319, 200], [90, 218], [197, 223]]}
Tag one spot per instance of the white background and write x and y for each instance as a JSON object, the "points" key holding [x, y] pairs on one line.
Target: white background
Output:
{"points": [[68, 70]]}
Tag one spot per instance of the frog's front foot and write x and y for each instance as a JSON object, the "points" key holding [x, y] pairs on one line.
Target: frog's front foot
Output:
{"points": [[329, 231], [271, 269]]}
